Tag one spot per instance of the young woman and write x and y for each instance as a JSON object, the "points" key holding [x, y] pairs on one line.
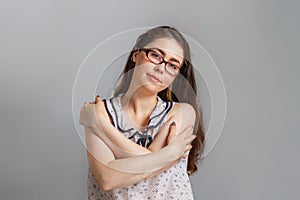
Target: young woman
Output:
{"points": [[139, 142]]}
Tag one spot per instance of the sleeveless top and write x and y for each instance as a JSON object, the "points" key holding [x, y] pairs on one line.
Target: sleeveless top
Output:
{"points": [[173, 183]]}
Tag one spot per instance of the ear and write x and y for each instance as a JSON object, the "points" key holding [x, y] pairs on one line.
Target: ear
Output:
{"points": [[134, 56]]}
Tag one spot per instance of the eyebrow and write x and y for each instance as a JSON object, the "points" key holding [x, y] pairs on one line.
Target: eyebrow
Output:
{"points": [[163, 53]]}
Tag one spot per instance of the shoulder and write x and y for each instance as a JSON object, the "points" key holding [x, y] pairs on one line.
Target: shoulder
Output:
{"points": [[183, 108], [183, 112], [111, 103], [179, 108], [110, 99]]}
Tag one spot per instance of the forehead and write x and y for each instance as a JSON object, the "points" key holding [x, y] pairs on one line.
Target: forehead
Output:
{"points": [[169, 46]]}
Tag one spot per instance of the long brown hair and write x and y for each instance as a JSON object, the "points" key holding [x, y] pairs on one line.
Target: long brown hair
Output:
{"points": [[183, 88]]}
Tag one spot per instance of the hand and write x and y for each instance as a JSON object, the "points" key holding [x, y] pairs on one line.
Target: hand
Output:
{"points": [[181, 142], [92, 113], [162, 169], [88, 115]]}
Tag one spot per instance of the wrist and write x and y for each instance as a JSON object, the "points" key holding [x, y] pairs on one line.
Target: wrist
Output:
{"points": [[173, 151], [97, 126]]}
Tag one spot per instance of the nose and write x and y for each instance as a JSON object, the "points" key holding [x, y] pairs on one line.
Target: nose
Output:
{"points": [[159, 68]]}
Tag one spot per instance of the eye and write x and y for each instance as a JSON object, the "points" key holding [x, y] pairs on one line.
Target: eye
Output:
{"points": [[156, 55], [173, 66]]}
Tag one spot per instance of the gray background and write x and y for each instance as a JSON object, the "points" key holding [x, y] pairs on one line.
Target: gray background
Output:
{"points": [[254, 43]]}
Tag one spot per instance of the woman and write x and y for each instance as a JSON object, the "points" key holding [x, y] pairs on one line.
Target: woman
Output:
{"points": [[138, 141]]}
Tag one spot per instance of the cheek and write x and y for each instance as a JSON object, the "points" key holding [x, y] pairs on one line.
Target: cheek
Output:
{"points": [[168, 80], [141, 68], [140, 71], [141, 65]]}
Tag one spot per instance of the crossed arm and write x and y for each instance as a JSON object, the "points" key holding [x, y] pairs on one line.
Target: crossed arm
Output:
{"points": [[130, 168]]}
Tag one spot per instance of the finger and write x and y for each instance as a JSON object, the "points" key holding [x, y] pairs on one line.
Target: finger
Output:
{"points": [[189, 147], [172, 127], [172, 130], [85, 104], [190, 138], [97, 99], [184, 156]]}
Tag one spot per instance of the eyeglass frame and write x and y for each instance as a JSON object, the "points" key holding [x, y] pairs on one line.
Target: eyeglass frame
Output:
{"points": [[146, 50]]}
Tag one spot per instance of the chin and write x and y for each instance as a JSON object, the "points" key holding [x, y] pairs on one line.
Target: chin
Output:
{"points": [[152, 87]]}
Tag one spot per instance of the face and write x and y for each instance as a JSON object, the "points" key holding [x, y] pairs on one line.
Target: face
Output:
{"points": [[153, 76]]}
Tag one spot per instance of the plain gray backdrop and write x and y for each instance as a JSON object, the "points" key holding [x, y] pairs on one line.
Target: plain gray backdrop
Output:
{"points": [[254, 43]]}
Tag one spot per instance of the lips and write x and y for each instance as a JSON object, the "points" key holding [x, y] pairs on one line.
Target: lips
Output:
{"points": [[154, 78]]}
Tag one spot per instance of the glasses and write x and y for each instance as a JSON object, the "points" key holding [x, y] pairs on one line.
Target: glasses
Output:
{"points": [[172, 68]]}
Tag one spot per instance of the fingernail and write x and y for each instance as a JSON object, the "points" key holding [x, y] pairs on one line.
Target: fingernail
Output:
{"points": [[173, 123]]}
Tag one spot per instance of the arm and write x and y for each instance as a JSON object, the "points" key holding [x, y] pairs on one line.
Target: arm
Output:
{"points": [[107, 177], [155, 161], [161, 170], [128, 148], [96, 117], [124, 147], [178, 117], [103, 167], [109, 173], [182, 114]]}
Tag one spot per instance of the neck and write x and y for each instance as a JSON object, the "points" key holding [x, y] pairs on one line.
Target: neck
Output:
{"points": [[139, 102]]}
